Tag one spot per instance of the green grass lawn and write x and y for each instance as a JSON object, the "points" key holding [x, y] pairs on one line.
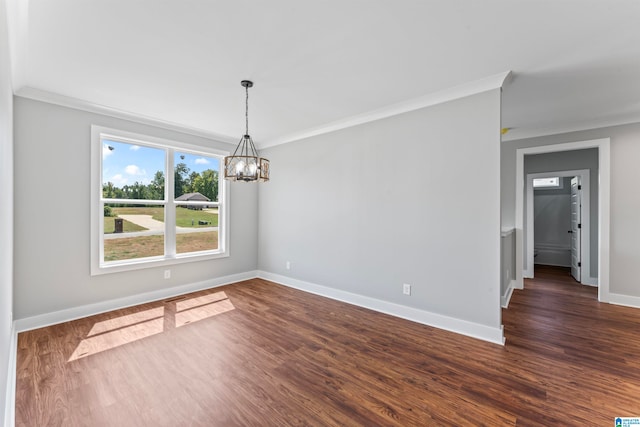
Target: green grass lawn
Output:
{"points": [[127, 227], [147, 246], [133, 247], [184, 217], [189, 218]]}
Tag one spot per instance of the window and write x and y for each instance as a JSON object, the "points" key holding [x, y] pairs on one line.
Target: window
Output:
{"points": [[547, 183], [154, 202]]}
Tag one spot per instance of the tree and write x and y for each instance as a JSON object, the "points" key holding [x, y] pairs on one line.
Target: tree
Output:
{"points": [[181, 173], [192, 178], [108, 190], [156, 186], [197, 184], [138, 191], [210, 181], [206, 183]]}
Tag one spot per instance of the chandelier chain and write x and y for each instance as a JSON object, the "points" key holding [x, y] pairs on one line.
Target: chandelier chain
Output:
{"points": [[246, 111]]}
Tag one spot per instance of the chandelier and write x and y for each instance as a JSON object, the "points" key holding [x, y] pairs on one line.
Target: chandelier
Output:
{"points": [[244, 164]]}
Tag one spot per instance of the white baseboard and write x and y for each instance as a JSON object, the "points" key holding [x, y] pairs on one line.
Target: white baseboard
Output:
{"points": [[626, 300], [73, 313], [504, 299], [10, 401], [590, 281], [464, 327]]}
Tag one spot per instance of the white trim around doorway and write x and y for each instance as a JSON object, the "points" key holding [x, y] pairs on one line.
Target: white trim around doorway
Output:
{"points": [[604, 179]]}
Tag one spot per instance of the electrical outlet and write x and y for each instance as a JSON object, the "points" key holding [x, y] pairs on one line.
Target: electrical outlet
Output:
{"points": [[167, 274], [406, 289], [288, 265]]}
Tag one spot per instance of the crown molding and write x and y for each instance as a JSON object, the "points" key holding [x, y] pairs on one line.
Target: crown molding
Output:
{"points": [[495, 81], [79, 104]]}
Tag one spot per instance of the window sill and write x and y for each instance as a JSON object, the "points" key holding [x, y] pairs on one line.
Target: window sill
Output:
{"points": [[146, 263]]}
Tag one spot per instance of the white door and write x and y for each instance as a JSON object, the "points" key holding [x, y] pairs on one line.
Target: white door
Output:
{"points": [[576, 227]]}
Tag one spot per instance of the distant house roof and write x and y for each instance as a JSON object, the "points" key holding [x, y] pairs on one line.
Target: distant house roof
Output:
{"points": [[193, 197]]}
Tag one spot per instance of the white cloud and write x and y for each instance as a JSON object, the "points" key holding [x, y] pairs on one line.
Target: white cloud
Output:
{"points": [[118, 180], [106, 151], [134, 170], [202, 161], [134, 148]]}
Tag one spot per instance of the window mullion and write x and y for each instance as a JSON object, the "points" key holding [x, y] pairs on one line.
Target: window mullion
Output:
{"points": [[169, 207], [223, 213]]}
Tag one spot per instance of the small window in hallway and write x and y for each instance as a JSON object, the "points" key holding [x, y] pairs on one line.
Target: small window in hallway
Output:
{"points": [[551, 182]]}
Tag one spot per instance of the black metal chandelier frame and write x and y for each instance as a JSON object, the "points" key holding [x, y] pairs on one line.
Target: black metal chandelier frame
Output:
{"points": [[245, 164]]}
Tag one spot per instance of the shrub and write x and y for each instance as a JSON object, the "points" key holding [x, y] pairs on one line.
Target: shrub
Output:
{"points": [[108, 211]]}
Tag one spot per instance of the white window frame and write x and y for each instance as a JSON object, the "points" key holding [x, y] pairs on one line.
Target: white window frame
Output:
{"points": [[98, 265]]}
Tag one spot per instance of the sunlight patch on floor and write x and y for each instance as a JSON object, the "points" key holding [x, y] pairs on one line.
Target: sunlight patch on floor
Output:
{"points": [[112, 333]]}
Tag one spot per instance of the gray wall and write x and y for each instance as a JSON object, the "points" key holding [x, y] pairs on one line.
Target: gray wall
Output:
{"points": [[409, 199], [6, 207], [52, 205], [624, 204], [573, 160], [552, 220]]}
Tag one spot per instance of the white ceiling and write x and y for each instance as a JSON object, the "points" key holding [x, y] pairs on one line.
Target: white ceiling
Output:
{"points": [[575, 63]]}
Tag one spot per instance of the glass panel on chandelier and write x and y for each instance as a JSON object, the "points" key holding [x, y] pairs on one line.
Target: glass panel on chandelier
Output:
{"points": [[264, 169], [242, 168]]}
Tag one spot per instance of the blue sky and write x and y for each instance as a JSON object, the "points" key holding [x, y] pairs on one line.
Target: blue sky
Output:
{"points": [[124, 164]]}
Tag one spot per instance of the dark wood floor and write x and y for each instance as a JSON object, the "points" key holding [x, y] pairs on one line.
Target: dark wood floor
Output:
{"points": [[260, 354]]}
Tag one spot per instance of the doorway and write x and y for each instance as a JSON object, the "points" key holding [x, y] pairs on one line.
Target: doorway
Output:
{"points": [[581, 237], [603, 146]]}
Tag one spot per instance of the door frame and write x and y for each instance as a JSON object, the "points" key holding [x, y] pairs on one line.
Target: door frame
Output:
{"points": [[585, 243], [604, 179]]}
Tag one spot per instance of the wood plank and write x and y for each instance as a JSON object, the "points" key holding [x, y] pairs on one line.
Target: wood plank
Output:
{"points": [[257, 353]]}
